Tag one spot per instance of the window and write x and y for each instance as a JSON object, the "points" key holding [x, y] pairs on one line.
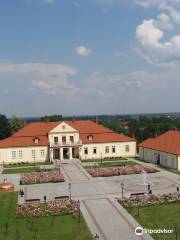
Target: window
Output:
{"points": [[55, 140], [127, 148], [94, 150], [113, 149], [106, 149], [13, 153], [86, 151], [33, 152], [20, 154], [72, 139], [64, 139], [90, 137], [42, 152], [36, 140]]}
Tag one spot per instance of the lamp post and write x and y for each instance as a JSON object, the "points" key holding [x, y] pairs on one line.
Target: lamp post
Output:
{"points": [[79, 212], [59, 166], [149, 187], [96, 237], [138, 206], [34, 160], [122, 190], [69, 191]]}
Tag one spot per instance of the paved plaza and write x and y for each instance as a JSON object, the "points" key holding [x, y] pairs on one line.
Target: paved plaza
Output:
{"points": [[100, 209]]}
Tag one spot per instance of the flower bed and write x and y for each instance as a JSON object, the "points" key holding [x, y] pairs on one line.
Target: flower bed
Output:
{"points": [[53, 208], [115, 171], [150, 200], [41, 177]]}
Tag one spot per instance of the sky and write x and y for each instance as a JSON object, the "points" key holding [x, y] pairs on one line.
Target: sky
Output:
{"points": [[89, 57]]}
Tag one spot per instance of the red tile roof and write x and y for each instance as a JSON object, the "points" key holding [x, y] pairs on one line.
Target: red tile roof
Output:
{"points": [[100, 134], [23, 142], [168, 142], [36, 129], [26, 135], [87, 126], [105, 137]]}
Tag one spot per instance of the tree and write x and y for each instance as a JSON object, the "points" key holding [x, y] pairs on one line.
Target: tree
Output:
{"points": [[16, 124], [52, 118], [5, 130]]}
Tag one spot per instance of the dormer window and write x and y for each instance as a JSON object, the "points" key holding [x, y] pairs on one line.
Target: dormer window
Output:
{"points": [[36, 140], [90, 137]]}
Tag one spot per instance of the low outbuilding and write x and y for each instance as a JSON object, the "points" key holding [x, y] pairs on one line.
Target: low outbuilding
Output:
{"points": [[162, 150]]}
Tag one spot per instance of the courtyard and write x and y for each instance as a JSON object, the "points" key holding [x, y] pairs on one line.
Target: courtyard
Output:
{"points": [[100, 209]]}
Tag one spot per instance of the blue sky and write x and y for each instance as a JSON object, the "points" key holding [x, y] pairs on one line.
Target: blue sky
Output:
{"points": [[89, 56]]}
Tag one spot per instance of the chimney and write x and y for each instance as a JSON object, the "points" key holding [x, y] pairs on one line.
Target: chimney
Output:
{"points": [[97, 120], [74, 119]]}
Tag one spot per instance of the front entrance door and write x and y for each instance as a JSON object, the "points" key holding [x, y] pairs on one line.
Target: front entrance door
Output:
{"points": [[66, 153]]}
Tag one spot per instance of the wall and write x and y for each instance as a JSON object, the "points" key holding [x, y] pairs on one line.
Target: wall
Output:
{"points": [[6, 154], [166, 159], [178, 157], [59, 131], [100, 148]]}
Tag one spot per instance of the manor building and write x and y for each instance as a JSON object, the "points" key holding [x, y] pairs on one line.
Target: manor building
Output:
{"points": [[163, 150], [77, 139]]}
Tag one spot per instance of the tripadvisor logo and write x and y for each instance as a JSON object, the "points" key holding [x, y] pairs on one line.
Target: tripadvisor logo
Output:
{"points": [[139, 231]]}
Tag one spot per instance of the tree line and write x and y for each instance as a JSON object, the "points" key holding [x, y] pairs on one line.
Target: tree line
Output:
{"points": [[12, 125], [141, 127]]}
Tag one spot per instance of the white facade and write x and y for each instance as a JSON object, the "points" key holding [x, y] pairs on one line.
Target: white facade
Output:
{"points": [[64, 143], [24, 154], [76, 149], [105, 150], [158, 157]]}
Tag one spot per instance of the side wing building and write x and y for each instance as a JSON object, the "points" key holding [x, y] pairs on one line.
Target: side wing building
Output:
{"points": [[163, 150]]}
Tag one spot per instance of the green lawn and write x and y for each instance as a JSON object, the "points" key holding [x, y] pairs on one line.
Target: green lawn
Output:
{"points": [[104, 160], [21, 170], [113, 164], [26, 164], [117, 164], [47, 228], [162, 216]]}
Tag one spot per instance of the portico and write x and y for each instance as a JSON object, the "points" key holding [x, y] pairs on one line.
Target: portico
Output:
{"points": [[64, 153]]}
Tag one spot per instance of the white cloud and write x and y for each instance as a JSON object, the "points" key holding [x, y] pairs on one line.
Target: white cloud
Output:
{"points": [[160, 4], [151, 46], [83, 51], [51, 78], [148, 34], [164, 22], [151, 33]]}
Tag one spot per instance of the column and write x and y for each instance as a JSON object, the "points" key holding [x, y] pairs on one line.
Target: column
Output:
{"points": [[70, 153], [61, 153]]}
